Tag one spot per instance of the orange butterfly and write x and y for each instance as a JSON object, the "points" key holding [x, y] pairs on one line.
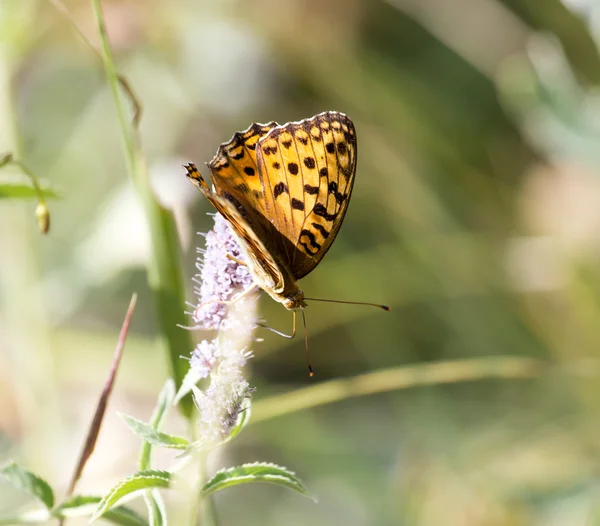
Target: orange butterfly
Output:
{"points": [[284, 191]]}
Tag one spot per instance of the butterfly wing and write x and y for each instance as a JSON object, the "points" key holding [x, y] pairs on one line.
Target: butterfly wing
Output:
{"points": [[264, 268], [307, 171], [234, 172]]}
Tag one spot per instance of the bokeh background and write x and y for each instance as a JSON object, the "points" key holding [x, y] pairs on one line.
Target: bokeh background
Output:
{"points": [[475, 215]]}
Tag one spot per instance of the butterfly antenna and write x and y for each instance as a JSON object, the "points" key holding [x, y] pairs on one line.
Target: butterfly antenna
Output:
{"points": [[379, 306], [310, 369]]}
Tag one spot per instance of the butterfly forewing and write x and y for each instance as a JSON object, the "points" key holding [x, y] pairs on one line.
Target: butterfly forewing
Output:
{"points": [[234, 171], [307, 171], [250, 235], [235, 177]]}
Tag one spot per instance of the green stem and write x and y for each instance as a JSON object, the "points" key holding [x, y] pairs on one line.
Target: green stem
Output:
{"points": [[470, 369], [164, 269], [111, 76], [203, 511]]}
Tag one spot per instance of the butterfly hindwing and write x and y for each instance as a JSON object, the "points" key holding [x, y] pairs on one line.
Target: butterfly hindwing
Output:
{"points": [[307, 171]]}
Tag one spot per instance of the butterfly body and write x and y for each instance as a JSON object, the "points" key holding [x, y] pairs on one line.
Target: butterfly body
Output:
{"points": [[284, 191]]}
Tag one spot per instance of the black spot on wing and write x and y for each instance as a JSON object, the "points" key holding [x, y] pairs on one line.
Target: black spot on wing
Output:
{"points": [[307, 249], [219, 167], [323, 231], [293, 168], [311, 237], [309, 162], [279, 189], [333, 189], [321, 211]]}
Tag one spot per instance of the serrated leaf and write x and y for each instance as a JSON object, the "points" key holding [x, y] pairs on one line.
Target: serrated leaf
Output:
{"points": [[164, 402], [25, 480], [143, 480], [153, 436], [255, 472], [191, 378], [84, 506]]}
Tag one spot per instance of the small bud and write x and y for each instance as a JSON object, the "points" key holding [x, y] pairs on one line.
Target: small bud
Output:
{"points": [[42, 217]]}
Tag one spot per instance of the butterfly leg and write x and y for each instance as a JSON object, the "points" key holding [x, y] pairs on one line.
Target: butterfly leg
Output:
{"points": [[229, 256], [237, 260], [235, 299], [249, 290], [283, 335]]}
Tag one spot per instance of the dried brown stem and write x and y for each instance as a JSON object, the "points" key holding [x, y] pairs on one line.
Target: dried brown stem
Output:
{"points": [[94, 429]]}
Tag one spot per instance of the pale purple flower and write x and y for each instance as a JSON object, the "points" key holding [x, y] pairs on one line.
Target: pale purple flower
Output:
{"points": [[204, 357], [221, 360], [220, 277]]}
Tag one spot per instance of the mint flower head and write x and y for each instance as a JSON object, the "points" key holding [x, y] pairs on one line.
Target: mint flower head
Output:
{"points": [[220, 360], [220, 277]]}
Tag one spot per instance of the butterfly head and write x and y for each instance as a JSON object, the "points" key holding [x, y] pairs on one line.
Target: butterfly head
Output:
{"points": [[294, 301]]}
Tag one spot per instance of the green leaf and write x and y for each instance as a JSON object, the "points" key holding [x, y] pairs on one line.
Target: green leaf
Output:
{"points": [[188, 384], [149, 434], [255, 472], [15, 190], [84, 506], [164, 402], [156, 508], [167, 284], [165, 276], [143, 480], [154, 504], [32, 484]]}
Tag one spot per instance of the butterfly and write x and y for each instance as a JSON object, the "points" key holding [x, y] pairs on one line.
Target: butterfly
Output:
{"points": [[284, 190]]}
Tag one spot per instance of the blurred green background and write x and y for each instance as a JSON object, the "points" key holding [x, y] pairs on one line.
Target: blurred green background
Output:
{"points": [[475, 215]]}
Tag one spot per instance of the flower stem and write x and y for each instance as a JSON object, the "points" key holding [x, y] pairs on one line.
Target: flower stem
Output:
{"points": [[405, 377], [164, 269]]}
